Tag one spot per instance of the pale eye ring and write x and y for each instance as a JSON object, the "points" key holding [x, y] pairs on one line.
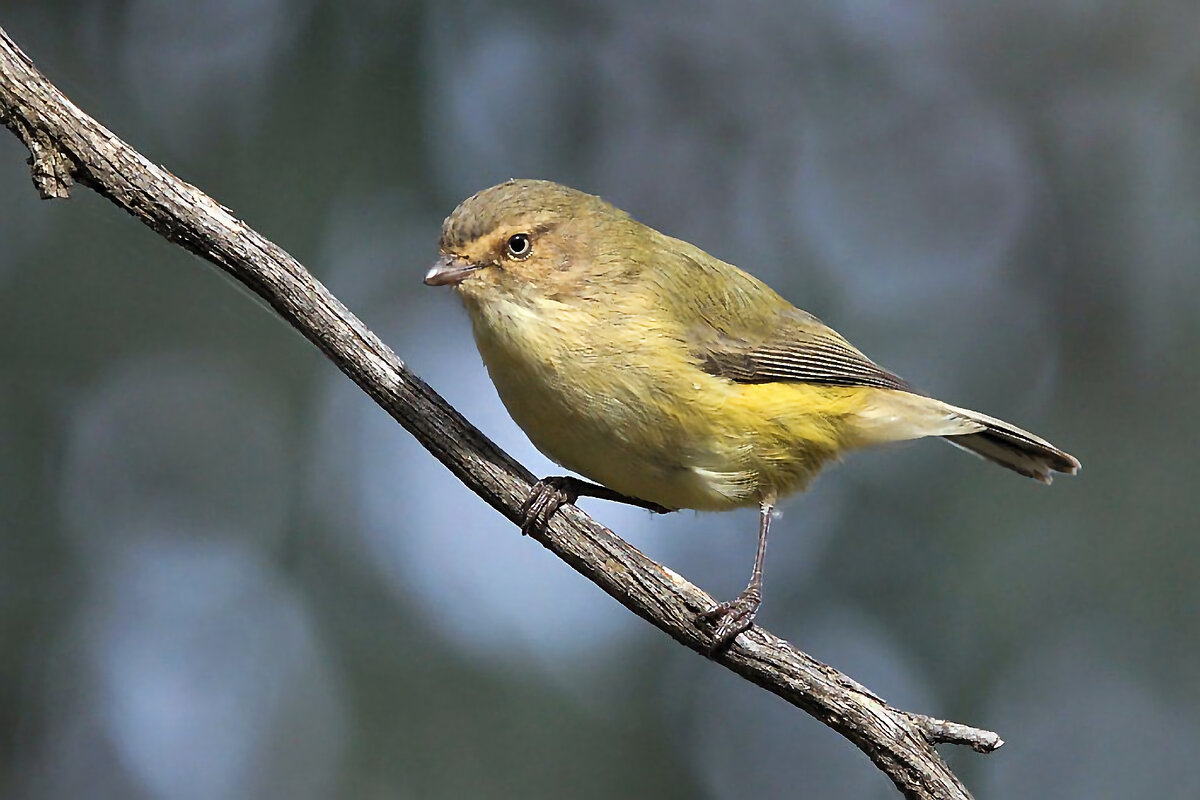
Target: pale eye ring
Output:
{"points": [[519, 246]]}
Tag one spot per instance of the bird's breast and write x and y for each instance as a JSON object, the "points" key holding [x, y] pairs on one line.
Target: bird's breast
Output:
{"points": [[602, 394]]}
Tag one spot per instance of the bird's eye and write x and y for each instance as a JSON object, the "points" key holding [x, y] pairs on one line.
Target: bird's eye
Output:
{"points": [[519, 246]]}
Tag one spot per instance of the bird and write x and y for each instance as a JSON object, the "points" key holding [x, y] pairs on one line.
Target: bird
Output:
{"points": [[670, 379]]}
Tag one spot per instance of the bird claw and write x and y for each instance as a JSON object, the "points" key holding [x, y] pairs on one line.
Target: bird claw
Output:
{"points": [[547, 496], [731, 618]]}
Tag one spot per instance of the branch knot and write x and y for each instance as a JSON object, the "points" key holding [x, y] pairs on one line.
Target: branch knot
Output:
{"points": [[50, 167]]}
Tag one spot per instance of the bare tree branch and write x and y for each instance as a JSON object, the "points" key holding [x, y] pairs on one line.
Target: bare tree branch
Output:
{"points": [[67, 145]]}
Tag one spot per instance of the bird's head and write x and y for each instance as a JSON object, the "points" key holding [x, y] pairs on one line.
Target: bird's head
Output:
{"points": [[525, 235]]}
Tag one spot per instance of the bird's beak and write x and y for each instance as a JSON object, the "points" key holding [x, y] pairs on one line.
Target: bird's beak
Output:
{"points": [[448, 270]]}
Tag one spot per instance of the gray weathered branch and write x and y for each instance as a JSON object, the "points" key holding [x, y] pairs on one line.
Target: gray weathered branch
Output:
{"points": [[67, 145]]}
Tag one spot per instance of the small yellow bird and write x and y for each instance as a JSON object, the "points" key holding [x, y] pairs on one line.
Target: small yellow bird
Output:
{"points": [[672, 379]]}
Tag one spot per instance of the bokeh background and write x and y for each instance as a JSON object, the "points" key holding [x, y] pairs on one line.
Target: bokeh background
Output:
{"points": [[224, 573]]}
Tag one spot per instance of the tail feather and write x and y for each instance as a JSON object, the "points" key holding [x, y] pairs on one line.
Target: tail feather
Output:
{"points": [[1009, 446]]}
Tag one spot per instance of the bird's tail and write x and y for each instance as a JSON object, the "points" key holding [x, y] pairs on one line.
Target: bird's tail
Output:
{"points": [[897, 415], [1009, 446]]}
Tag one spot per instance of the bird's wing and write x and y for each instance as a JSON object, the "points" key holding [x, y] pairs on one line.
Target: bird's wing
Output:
{"points": [[793, 345], [737, 327]]}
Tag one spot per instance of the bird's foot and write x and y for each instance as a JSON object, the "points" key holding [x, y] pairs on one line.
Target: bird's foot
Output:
{"points": [[547, 496], [731, 618]]}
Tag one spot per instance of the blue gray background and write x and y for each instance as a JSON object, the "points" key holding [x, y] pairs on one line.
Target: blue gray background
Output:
{"points": [[224, 573]]}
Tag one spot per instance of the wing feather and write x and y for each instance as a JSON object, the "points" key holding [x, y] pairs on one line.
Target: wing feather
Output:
{"points": [[799, 348]]}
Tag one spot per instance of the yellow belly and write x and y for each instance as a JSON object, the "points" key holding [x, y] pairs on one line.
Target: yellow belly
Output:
{"points": [[634, 413]]}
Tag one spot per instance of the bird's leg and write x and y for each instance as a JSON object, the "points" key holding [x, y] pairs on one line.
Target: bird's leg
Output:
{"points": [[731, 618], [549, 494]]}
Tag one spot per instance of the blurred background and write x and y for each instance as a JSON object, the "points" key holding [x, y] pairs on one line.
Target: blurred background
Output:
{"points": [[225, 573]]}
